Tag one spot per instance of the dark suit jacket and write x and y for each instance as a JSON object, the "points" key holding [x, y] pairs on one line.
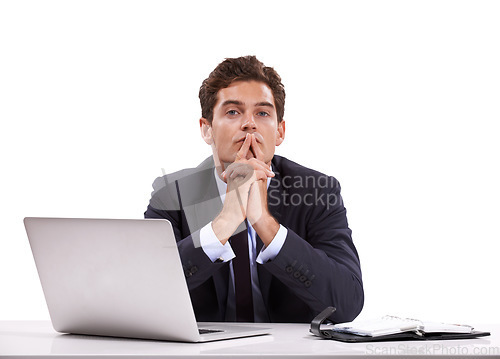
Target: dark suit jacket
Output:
{"points": [[318, 265]]}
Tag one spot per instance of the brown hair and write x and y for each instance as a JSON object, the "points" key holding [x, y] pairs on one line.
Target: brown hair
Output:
{"points": [[245, 68]]}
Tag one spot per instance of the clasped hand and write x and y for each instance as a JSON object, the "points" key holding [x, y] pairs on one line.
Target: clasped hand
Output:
{"points": [[246, 196]]}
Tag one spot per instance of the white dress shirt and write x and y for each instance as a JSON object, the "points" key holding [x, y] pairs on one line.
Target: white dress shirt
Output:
{"points": [[214, 249]]}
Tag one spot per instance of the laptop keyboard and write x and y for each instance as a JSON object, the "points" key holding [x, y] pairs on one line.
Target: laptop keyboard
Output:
{"points": [[209, 331]]}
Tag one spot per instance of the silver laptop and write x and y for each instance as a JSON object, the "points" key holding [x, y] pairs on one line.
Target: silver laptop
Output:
{"points": [[119, 277]]}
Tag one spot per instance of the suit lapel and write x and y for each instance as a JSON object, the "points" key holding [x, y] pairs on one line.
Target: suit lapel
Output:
{"points": [[203, 211], [209, 205]]}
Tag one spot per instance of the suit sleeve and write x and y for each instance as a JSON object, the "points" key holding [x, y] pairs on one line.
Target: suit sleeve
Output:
{"points": [[318, 261], [166, 204]]}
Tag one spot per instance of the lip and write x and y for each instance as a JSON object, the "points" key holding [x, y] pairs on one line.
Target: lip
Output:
{"points": [[257, 137]]}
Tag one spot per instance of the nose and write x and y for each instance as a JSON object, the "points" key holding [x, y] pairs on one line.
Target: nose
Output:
{"points": [[248, 123]]}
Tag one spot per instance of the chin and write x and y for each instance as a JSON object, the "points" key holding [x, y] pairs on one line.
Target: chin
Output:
{"points": [[226, 160]]}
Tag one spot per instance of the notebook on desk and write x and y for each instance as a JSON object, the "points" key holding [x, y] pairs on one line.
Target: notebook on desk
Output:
{"points": [[390, 328], [119, 277]]}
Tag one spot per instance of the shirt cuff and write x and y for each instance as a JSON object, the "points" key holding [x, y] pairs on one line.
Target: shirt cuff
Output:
{"points": [[271, 251], [212, 247]]}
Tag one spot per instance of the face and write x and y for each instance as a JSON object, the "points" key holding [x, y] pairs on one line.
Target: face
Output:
{"points": [[243, 107]]}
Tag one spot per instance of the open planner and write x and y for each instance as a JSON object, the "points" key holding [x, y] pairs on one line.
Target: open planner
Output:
{"points": [[390, 328]]}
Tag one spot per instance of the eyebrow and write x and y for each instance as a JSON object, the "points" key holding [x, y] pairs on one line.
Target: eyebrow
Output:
{"points": [[232, 102], [239, 103], [264, 103]]}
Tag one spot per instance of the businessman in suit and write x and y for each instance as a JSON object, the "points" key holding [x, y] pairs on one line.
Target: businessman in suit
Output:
{"points": [[261, 238]]}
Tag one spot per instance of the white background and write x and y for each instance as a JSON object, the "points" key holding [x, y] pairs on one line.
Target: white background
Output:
{"points": [[399, 100]]}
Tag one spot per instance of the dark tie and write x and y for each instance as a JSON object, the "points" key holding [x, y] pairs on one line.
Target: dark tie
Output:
{"points": [[242, 278]]}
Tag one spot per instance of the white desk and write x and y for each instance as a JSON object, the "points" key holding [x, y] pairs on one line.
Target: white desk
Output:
{"points": [[23, 339]]}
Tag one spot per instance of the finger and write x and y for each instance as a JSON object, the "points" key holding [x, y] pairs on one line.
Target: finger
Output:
{"points": [[244, 173], [264, 174], [241, 172], [256, 149], [242, 153], [249, 167], [231, 168], [239, 167], [259, 165]]}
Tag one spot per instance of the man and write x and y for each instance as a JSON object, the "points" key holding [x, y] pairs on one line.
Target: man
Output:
{"points": [[261, 238]]}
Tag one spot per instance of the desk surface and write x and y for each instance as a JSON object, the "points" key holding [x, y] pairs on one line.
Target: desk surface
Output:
{"points": [[30, 339]]}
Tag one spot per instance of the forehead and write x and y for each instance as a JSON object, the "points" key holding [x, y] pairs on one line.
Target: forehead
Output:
{"points": [[246, 92]]}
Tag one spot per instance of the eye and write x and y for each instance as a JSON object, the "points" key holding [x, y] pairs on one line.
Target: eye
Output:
{"points": [[232, 112], [262, 113]]}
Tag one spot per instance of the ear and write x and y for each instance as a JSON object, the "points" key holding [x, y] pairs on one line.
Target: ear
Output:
{"points": [[280, 133], [206, 131]]}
